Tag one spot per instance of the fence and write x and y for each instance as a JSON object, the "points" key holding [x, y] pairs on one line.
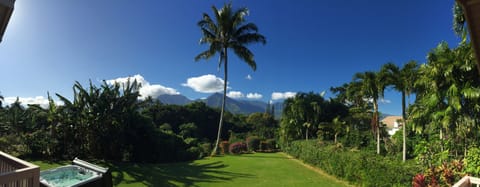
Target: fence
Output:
{"points": [[15, 172]]}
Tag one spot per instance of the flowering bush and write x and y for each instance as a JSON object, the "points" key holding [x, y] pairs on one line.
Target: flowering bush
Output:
{"points": [[237, 148], [419, 181], [445, 175]]}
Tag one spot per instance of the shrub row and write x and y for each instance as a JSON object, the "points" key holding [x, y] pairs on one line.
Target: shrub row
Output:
{"points": [[252, 143], [237, 148], [358, 167]]}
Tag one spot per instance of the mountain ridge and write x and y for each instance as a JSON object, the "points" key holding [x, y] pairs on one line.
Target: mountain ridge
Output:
{"points": [[236, 106]]}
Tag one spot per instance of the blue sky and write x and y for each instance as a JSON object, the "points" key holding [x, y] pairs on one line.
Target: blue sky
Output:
{"points": [[311, 45]]}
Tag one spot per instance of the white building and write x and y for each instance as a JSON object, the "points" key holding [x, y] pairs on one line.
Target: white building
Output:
{"points": [[392, 123]]}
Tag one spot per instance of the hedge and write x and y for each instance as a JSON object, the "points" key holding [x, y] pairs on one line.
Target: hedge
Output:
{"points": [[237, 148], [362, 168], [253, 143]]}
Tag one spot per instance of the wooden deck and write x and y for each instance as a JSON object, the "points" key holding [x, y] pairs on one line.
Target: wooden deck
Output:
{"points": [[468, 181], [15, 172]]}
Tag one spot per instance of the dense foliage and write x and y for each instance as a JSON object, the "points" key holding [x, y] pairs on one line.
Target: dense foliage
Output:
{"points": [[109, 122], [439, 129], [362, 168], [253, 143], [237, 148], [438, 143]]}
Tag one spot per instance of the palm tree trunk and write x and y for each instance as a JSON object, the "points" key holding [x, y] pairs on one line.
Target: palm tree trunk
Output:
{"points": [[214, 151], [404, 128], [441, 138], [375, 117]]}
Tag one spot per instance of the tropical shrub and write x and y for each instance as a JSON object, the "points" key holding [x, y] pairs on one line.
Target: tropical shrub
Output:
{"points": [[355, 166], [444, 175], [194, 153], [472, 161], [419, 181], [37, 143], [271, 144], [206, 148], [268, 145], [236, 137], [430, 154], [162, 147], [253, 143], [264, 146], [12, 144], [191, 141], [237, 148], [224, 147]]}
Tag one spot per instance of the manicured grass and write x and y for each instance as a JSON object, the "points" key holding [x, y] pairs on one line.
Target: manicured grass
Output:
{"points": [[259, 169]]}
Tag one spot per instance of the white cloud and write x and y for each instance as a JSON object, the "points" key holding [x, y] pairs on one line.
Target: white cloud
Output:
{"points": [[254, 96], [249, 77], [284, 95], [385, 101], [124, 80], [205, 83], [40, 100], [147, 89], [235, 94]]}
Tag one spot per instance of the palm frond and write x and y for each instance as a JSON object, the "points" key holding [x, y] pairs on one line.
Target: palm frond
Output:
{"points": [[208, 37], [247, 28], [246, 55], [251, 38], [205, 55], [239, 16]]}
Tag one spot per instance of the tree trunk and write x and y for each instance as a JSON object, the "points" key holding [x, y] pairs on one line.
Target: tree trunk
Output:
{"points": [[306, 134], [375, 117], [404, 119], [441, 138], [214, 151], [335, 138]]}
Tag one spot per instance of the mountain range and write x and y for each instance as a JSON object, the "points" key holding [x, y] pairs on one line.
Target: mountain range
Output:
{"points": [[235, 106]]}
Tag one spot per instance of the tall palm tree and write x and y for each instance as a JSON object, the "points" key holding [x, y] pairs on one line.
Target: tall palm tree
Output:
{"points": [[372, 87], [402, 80], [228, 30]]}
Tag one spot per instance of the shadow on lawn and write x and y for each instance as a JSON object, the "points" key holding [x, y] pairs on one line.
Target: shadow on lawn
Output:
{"points": [[185, 174]]}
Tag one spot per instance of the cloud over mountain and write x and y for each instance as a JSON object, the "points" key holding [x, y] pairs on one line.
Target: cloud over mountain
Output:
{"points": [[147, 89], [235, 94], [254, 96], [205, 84], [282, 95], [40, 100]]}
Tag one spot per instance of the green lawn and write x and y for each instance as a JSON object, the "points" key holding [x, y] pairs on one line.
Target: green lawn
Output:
{"points": [[259, 169]]}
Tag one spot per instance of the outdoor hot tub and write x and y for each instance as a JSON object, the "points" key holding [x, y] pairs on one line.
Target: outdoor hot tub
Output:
{"points": [[70, 175], [80, 173]]}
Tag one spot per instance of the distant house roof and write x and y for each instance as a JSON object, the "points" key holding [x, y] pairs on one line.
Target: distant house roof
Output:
{"points": [[389, 121]]}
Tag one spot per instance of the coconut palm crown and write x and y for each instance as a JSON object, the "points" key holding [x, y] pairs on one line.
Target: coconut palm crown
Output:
{"points": [[228, 30]]}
